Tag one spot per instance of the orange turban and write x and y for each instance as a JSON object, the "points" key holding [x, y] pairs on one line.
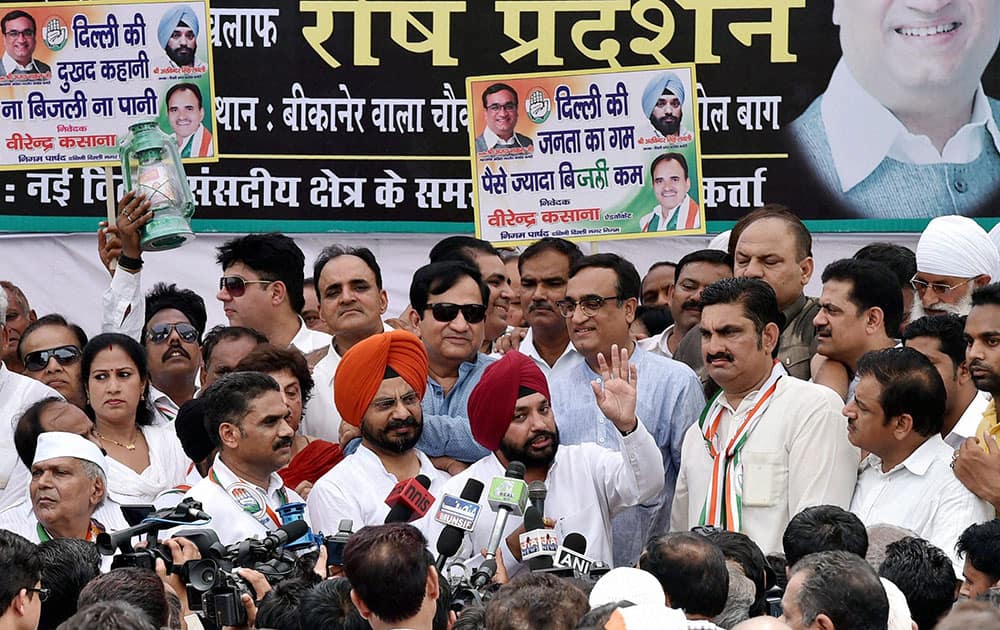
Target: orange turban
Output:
{"points": [[362, 370], [492, 402]]}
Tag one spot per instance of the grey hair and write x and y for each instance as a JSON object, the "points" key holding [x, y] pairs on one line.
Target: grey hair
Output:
{"points": [[880, 536], [3, 308], [93, 471], [742, 592]]}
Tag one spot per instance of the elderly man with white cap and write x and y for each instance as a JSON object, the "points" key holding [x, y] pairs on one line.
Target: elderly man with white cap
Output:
{"points": [[68, 483], [954, 257]]}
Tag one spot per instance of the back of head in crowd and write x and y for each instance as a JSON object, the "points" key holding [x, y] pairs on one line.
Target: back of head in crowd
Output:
{"points": [[328, 606], [823, 528], [835, 590], [109, 615], [924, 574], [692, 571], [536, 600], [68, 564], [20, 598], [390, 572], [901, 261], [140, 587], [740, 548], [979, 546]]}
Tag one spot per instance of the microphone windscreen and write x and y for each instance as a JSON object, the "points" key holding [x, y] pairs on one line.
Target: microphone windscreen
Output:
{"points": [[295, 529], [575, 542], [449, 541], [537, 490], [473, 490], [532, 519], [516, 470]]}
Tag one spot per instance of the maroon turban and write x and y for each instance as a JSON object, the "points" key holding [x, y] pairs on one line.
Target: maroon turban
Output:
{"points": [[491, 405], [362, 370]]}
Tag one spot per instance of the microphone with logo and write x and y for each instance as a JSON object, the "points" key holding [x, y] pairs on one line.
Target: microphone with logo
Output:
{"points": [[409, 500], [508, 495], [458, 515], [570, 555], [538, 544]]}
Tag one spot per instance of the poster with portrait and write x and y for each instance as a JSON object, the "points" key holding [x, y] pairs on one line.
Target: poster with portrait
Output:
{"points": [[74, 77], [586, 155]]}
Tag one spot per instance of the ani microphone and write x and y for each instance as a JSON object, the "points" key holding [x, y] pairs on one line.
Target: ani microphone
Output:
{"points": [[409, 500]]}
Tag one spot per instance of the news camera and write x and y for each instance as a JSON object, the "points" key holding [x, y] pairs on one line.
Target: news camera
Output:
{"points": [[187, 512]]}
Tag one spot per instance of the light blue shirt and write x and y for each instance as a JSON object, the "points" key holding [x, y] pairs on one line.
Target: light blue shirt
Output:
{"points": [[446, 416], [669, 401]]}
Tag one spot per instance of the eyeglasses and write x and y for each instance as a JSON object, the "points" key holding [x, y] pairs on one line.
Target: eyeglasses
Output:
{"points": [[37, 361], [589, 304], [383, 405], [28, 32], [237, 286], [507, 107], [161, 332], [937, 287], [43, 593], [446, 311]]}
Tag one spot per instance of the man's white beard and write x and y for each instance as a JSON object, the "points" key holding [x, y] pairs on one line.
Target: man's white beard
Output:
{"points": [[962, 308]]}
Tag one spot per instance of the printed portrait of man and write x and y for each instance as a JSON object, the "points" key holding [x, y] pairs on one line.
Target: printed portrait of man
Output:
{"points": [[904, 128], [500, 111], [663, 101], [20, 35], [178, 35], [186, 111], [676, 209]]}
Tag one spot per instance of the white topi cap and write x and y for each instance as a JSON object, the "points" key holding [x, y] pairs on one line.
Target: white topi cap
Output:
{"points": [[61, 444]]}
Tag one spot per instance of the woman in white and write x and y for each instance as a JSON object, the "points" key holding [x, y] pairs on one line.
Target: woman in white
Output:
{"points": [[144, 457]]}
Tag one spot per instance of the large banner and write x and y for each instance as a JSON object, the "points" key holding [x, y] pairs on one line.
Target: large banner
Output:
{"points": [[599, 156], [74, 76], [352, 114]]}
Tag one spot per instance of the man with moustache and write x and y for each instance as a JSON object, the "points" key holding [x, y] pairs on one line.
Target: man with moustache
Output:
{"points": [[694, 272], [544, 268], [246, 419], [977, 461], [378, 387], [768, 444], [352, 301], [663, 100], [586, 484], [178, 35], [175, 320], [50, 351], [954, 257], [904, 129]]}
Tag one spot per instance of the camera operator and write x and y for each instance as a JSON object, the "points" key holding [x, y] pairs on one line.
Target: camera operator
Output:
{"points": [[247, 419], [395, 584], [68, 484]]}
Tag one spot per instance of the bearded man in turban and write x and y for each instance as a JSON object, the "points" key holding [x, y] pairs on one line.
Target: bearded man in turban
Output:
{"points": [[378, 387], [954, 257], [177, 33], [586, 484]]}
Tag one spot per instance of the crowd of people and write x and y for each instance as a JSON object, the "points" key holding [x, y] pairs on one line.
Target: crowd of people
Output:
{"points": [[541, 439]]}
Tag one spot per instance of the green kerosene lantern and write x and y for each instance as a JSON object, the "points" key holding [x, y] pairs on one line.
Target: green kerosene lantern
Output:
{"points": [[151, 165]]}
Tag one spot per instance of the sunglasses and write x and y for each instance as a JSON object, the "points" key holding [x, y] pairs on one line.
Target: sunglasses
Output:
{"points": [[446, 311], [161, 332], [37, 360], [237, 286]]}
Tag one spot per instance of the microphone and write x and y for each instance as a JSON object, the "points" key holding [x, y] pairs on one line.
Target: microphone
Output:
{"points": [[458, 515], [508, 494], [537, 492], [571, 554], [536, 538], [281, 536], [409, 500]]}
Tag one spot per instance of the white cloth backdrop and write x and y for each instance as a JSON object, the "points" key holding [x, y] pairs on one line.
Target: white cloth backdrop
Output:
{"points": [[61, 272]]}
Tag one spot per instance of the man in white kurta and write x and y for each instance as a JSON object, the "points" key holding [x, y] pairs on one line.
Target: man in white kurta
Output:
{"points": [[379, 385], [795, 452], [17, 393], [247, 419], [586, 484]]}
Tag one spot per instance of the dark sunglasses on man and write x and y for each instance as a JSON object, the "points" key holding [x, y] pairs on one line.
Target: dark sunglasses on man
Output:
{"points": [[237, 286], [37, 361], [446, 311], [161, 332]]}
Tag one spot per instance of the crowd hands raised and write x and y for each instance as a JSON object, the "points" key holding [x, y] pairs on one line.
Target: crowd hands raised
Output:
{"points": [[540, 439]]}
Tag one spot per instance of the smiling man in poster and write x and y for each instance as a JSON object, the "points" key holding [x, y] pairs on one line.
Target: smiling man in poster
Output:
{"points": [[500, 111], [19, 38], [904, 129], [676, 210]]}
